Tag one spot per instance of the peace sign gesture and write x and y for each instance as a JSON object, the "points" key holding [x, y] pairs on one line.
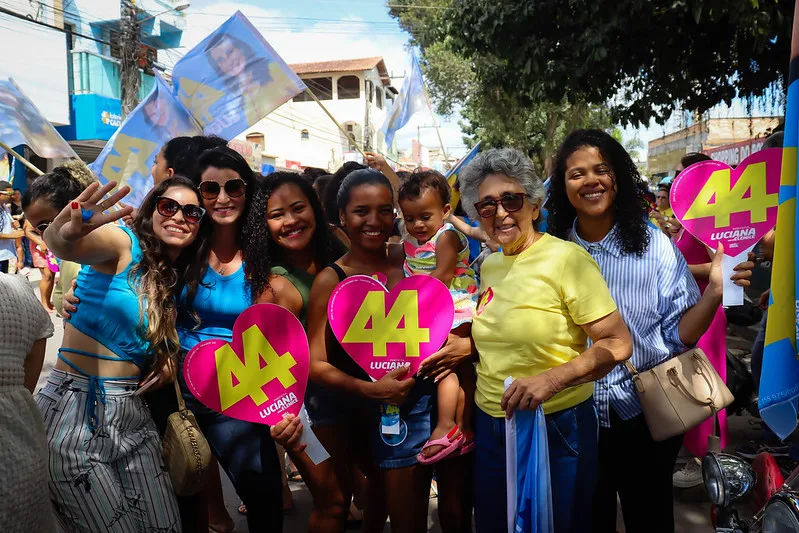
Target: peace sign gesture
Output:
{"points": [[88, 211]]}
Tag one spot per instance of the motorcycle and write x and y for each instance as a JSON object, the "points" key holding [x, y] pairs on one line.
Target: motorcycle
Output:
{"points": [[729, 479]]}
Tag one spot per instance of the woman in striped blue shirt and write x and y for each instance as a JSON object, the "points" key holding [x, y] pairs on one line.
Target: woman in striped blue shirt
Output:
{"points": [[596, 200]]}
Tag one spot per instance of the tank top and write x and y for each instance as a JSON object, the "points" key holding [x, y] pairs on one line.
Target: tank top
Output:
{"points": [[338, 356], [218, 303], [109, 312], [301, 280]]}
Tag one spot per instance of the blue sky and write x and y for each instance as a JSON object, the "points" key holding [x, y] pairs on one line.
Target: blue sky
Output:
{"points": [[319, 30]]}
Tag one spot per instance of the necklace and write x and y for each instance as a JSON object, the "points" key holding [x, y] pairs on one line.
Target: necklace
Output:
{"points": [[221, 270]]}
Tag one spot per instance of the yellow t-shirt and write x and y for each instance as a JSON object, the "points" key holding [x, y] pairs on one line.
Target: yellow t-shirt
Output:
{"points": [[668, 213], [529, 314]]}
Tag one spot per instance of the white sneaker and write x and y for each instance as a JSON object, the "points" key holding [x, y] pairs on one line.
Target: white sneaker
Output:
{"points": [[689, 476]]}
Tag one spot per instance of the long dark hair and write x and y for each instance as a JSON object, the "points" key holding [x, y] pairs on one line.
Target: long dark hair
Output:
{"points": [[629, 205], [262, 251], [160, 281], [224, 157]]}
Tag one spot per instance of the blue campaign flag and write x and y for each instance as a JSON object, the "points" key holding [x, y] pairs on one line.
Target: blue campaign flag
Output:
{"points": [[779, 383], [129, 155], [411, 98], [528, 477], [22, 123], [233, 79], [452, 174]]}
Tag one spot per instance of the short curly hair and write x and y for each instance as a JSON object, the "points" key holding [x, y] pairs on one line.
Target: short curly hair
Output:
{"points": [[417, 182], [630, 204], [507, 162]]}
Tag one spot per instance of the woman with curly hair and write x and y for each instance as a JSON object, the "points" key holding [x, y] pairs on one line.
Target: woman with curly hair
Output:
{"points": [[106, 469], [288, 243], [597, 200]]}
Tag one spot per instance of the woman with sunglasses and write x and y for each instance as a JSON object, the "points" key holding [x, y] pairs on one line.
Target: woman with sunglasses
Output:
{"points": [[596, 200], [106, 469], [541, 299], [245, 450]]}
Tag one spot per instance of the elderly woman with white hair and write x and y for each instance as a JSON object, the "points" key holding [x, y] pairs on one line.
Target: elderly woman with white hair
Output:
{"points": [[541, 299]]}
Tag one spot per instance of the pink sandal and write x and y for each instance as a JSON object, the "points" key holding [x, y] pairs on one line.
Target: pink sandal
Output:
{"points": [[449, 447], [468, 447]]}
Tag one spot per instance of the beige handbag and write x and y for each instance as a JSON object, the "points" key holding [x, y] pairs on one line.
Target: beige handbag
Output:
{"points": [[680, 393], [186, 451]]}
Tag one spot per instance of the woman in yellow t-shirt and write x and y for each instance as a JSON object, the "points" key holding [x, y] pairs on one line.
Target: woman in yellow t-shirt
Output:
{"points": [[541, 299]]}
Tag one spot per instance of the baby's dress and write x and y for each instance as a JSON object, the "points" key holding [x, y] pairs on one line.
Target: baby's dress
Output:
{"points": [[421, 259]]}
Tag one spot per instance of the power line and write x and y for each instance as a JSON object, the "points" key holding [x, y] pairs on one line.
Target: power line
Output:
{"points": [[46, 25]]}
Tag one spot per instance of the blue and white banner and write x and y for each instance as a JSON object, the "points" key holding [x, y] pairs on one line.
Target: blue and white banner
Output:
{"points": [[22, 123], [529, 485], [129, 155], [411, 98], [779, 383], [233, 79]]}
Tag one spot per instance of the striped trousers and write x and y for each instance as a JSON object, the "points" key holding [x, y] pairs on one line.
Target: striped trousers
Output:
{"points": [[112, 479]]}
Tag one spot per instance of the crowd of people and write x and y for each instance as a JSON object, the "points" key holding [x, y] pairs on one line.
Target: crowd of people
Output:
{"points": [[559, 311]]}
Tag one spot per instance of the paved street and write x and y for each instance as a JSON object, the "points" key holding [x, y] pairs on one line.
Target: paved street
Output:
{"points": [[691, 508]]}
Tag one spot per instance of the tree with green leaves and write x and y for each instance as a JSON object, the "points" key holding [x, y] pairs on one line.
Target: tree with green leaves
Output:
{"points": [[641, 59], [492, 115]]}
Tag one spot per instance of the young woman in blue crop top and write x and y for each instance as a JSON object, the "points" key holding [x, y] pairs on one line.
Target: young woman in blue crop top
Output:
{"points": [[106, 470], [288, 243]]}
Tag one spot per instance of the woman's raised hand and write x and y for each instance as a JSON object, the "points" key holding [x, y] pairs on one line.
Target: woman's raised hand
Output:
{"points": [[88, 211]]}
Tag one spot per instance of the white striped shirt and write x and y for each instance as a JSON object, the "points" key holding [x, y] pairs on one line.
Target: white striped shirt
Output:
{"points": [[652, 293]]}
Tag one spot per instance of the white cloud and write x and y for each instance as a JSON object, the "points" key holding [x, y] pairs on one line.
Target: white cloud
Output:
{"points": [[322, 41]]}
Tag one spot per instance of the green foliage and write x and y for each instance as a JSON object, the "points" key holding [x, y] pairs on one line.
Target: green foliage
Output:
{"points": [[491, 114], [638, 57]]}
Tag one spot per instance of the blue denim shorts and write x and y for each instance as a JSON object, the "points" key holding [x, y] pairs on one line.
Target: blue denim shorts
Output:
{"points": [[416, 426]]}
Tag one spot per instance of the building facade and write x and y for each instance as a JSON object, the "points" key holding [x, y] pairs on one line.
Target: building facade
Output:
{"points": [[717, 137], [357, 92], [81, 38]]}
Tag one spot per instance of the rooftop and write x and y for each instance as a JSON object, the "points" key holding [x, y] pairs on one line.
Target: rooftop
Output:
{"points": [[344, 65]]}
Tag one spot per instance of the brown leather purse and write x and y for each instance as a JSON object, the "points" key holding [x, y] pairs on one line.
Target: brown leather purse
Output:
{"points": [[186, 451], [680, 393]]}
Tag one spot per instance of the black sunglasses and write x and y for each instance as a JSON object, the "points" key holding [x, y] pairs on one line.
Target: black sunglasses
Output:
{"points": [[167, 207], [233, 188], [510, 201]]}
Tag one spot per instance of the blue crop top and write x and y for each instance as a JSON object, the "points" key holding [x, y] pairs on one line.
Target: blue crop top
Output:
{"points": [[218, 303], [109, 310]]}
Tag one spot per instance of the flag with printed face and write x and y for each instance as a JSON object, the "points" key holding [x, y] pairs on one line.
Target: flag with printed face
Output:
{"points": [[129, 155], [779, 382], [452, 174], [22, 123], [528, 479], [233, 79], [410, 99]]}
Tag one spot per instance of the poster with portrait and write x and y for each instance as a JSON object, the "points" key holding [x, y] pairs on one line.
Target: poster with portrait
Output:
{"points": [[129, 155], [233, 79]]}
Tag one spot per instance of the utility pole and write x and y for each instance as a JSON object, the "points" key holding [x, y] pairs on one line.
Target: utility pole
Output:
{"points": [[129, 63]]}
